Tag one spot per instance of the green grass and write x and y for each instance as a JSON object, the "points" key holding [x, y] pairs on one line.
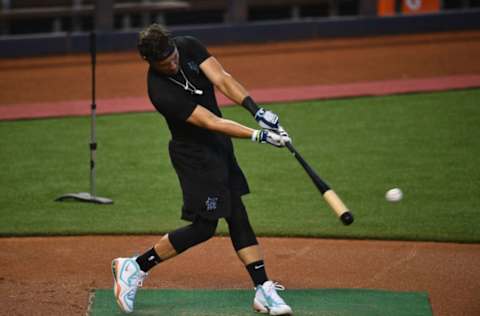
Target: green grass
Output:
{"points": [[325, 302], [426, 144]]}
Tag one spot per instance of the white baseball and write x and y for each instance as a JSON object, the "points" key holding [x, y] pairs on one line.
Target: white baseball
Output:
{"points": [[394, 195]]}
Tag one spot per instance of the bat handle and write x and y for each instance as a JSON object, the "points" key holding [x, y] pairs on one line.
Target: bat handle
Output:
{"points": [[290, 147], [288, 144]]}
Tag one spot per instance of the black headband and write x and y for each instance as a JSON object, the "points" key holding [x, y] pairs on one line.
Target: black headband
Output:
{"points": [[167, 51], [163, 54]]}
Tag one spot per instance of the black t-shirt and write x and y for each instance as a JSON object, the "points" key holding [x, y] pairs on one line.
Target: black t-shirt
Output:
{"points": [[175, 103], [204, 160]]}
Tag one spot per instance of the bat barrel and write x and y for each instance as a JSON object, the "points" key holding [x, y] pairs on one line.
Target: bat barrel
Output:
{"points": [[338, 207], [346, 217]]}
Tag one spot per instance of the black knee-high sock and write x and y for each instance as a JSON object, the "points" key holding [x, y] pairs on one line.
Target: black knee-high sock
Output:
{"points": [[148, 260], [257, 272]]}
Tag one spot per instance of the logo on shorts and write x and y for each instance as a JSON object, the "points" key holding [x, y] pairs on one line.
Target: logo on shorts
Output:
{"points": [[211, 203]]}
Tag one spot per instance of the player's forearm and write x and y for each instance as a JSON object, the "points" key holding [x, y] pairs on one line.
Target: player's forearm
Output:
{"points": [[237, 93], [203, 118], [232, 89], [230, 128]]}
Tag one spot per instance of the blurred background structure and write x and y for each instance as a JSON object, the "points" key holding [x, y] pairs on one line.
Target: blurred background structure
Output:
{"points": [[298, 50], [35, 27]]}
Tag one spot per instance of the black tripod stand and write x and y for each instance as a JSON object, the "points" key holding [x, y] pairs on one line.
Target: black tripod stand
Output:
{"points": [[90, 196]]}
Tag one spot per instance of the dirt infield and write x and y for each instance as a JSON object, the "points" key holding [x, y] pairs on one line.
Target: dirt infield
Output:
{"points": [[269, 65], [53, 276]]}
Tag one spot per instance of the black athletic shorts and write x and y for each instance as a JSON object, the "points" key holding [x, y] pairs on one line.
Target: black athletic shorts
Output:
{"points": [[209, 176]]}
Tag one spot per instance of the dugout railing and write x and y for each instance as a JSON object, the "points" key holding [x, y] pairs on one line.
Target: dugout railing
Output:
{"points": [[74, 12]]}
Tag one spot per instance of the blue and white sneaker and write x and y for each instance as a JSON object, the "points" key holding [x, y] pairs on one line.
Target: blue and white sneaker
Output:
{"points": [[267, 300], [127, 278]]}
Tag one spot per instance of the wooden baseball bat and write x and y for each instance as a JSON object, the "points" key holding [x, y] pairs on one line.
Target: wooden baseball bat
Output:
{"points": [[328, 194]]}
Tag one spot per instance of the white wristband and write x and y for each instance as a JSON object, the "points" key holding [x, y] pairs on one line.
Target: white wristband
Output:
{"points": [[255, 135]]}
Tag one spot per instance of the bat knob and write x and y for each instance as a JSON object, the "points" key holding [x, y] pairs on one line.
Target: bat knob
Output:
{"points": [[346, 218]]}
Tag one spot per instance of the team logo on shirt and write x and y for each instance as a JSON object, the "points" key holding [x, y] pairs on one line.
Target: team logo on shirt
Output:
{"points": [[211, 203], [193, 67]]}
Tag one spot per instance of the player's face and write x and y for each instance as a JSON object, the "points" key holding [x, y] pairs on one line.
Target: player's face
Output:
{"points": [[169, 65]]}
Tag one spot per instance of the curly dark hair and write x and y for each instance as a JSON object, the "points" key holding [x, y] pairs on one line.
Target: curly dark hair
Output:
{"points": [[154, 43]]}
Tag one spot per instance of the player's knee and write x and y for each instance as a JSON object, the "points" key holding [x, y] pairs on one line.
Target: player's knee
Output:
{"points": [[243, 238], [193, 234], [204, 229], [241, 233]]}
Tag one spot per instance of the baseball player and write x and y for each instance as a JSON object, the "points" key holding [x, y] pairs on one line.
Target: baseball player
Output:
{"points": [[181, 78]]}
